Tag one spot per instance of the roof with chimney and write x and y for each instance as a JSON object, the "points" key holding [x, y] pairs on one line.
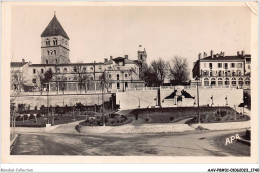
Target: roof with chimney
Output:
{"points": [[18, 64], [126, 60], [54, 29], [225, 58]]}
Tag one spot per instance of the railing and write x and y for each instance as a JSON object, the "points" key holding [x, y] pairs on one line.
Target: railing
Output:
{"points": [[98, 90]]}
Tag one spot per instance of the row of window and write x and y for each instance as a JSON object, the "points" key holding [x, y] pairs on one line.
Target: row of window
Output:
{"points": [[118, 85], [34, 71], [75, 69], [246, 79], [109, 84], [52, 52], [225, 65], [221, 73], [226, 82], [64, 79], [84, 69], [55, 42], [220, 83], [117, 76], [56, 61]]}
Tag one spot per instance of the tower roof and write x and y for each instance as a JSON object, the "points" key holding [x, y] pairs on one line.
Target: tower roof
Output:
{"points": [[54, 29]]}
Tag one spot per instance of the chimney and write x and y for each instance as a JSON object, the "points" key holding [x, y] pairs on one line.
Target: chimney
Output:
{"points": [[126, 56], [238, 53], [211, 53], [223, 54], [199, 56], [204, 55], [111, 57], [105, 60], [243, 53], [23, 60]]}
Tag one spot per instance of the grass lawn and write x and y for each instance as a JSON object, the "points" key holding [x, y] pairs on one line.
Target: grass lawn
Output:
{"points": [[170, 115], [109, 121], [41, 121]]}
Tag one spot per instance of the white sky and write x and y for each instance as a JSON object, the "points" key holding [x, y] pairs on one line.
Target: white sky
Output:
{"points": [[98, 32]]}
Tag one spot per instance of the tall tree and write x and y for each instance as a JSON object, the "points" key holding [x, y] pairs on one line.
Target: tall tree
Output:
{"points": [[149, 77], [179, 70], [80, 74], [159, 69], [47, 77]]}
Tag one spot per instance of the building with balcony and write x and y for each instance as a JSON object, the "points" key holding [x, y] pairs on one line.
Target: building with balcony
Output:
{"points": [[218, 70]]}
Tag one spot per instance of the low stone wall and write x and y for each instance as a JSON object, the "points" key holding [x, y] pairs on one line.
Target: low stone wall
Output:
{"points": [[61, 100], [147, 98], [162, 128], [224, 126], [144, 128]]}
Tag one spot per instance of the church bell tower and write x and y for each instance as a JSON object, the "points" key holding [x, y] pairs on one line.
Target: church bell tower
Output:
{"points": [[142, 55], [54, 44]]}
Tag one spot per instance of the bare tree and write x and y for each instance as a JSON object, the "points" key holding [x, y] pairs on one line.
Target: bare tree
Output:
{"points": [[179, 70], [17, 80], [39, 81], [80, 74], [149, 77], [159, 69]]}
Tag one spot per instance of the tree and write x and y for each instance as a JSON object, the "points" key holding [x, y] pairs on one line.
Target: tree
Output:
{"points": [[105, 80], [179, 70], [80, 75], [47, 77], [16, 80], [43, 109], [247, 100], [149, 77], [157, 72]]}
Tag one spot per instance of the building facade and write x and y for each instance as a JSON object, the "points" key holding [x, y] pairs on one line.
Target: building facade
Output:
{"points": [[117, 74], [218, 70]]}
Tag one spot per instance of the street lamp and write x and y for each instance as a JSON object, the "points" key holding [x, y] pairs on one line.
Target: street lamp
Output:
{"points": [[197, 81], [102, 85], [47, 91], [212, 100], [226, 100]]}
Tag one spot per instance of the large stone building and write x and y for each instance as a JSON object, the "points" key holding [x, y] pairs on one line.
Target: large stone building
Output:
{"points": [[120, 73], [218, 70]]}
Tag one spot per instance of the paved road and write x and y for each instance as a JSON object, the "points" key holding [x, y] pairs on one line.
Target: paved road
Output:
{"points": [[206, 143]]}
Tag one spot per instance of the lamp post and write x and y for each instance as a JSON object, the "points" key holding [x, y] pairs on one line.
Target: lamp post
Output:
{"points": [[102, 85], [47, 90], [226, 100], [197, 81], [13, 117], [212, 101]]}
